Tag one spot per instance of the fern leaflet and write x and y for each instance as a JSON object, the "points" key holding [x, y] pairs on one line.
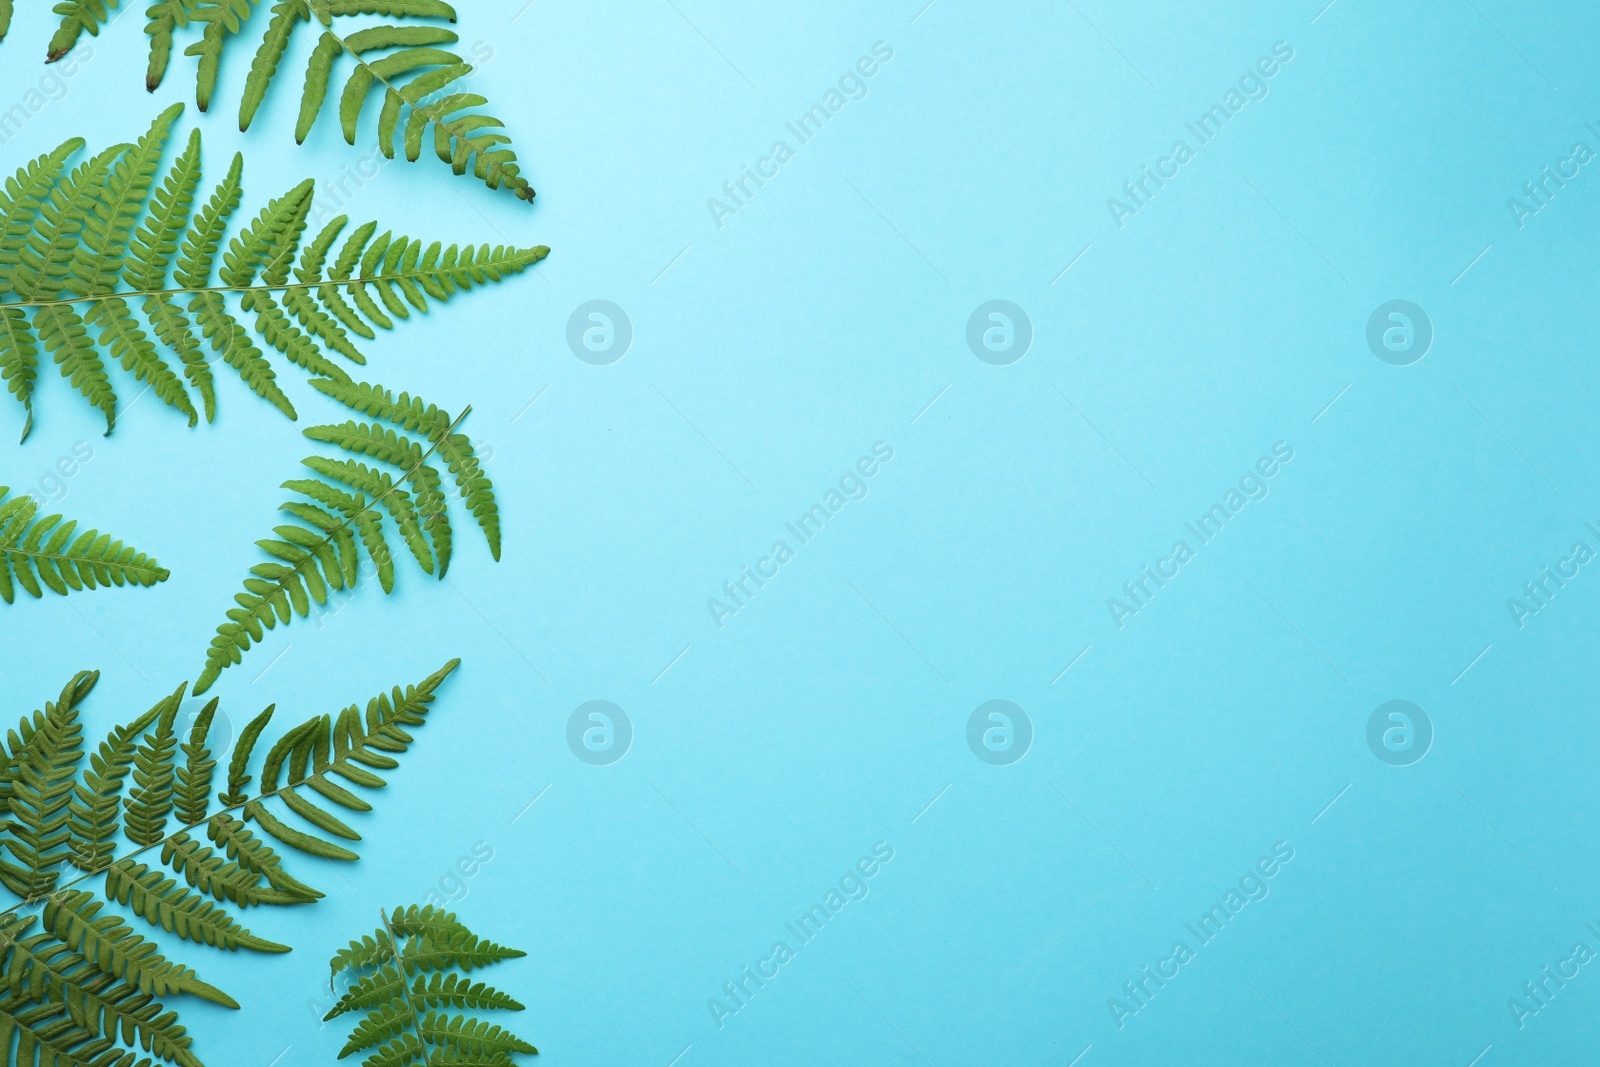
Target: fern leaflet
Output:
{"points": [[46, 553]]}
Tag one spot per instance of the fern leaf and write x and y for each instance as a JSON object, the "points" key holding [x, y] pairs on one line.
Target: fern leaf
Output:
{"points": [[24, 197], [193, 794], [156, 242], [162, 902], [115, 207], [62, 331], [93, 821], [44, 755], [370, 951], [78, 985], [210, 226], [85, 259], [162, 18], [74, 916], [322, 749], [417, 416], [254, 855], [230, 340], [42, 970], [286, 14], [239, 767], [425, 921], [381, 986], [462, 1036], [403, 64], [46, 554], [145, 811], [349, 501], [234, 880], [76, 17], [306, 562], [172, 327], [19, 359], [403, 1023], [122, 336]]}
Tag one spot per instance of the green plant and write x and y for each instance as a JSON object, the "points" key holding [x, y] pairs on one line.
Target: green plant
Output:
{"points": [[407, 1021], [40, 554], [81, 985], [68, 239], [341, 513], [421, 83]]}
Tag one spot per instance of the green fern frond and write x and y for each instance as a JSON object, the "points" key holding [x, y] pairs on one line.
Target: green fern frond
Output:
{"points": [[103, 264], [424, 87], [79, 987], [46, 553], [403, 1022], [341, 513]]}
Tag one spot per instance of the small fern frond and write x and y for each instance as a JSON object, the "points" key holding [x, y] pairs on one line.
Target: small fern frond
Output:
{"points": [[342, 512], [103, 263], [162, 902], [390, 970]]}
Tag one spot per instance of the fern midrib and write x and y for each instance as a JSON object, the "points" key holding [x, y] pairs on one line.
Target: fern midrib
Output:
{"points": [[128, 294]]}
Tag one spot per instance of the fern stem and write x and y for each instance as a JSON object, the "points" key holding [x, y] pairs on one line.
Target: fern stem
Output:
{"points": [[139, 293], [405, 989]]}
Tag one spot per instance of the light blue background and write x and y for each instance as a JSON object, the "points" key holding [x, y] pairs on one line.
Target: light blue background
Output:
{"points": [[824, 316]]}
